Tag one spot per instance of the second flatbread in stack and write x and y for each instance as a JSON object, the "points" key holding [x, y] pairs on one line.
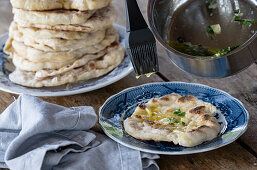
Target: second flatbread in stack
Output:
{"points": [[59, 46]]}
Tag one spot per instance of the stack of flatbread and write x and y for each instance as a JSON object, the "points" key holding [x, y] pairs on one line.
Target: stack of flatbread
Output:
{"points": [[55, 42]]}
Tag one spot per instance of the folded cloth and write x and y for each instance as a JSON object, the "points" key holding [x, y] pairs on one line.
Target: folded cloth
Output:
{"points": [[40, 135]]}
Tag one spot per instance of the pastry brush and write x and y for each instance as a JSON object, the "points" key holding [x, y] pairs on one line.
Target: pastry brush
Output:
{"points": [[140, 42]]}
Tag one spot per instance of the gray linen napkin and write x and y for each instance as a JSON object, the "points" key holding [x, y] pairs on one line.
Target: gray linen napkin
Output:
{"points": [[38, 135]]}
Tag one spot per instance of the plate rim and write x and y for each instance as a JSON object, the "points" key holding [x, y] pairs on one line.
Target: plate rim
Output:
{"points": [[245, 127], [76, 91]]}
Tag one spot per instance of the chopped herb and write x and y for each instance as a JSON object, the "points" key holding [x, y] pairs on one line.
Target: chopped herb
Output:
{"points": [[209, 30], [237, 11], [248, 22], [171, 121], [183, 123], [198, 50], [179, 113], [244, 21], [182, 114], [175, 120], [226, 50], [238, 18], [212, 30], [194, 50]]}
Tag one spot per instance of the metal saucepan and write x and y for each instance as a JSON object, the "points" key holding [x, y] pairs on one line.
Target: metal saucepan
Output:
{"points": [[170, 19]]}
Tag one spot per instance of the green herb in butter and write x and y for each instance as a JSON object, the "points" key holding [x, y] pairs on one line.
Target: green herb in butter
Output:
{"points": [[199, 50]]}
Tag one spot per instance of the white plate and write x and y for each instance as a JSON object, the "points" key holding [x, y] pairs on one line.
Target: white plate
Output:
{"points": [[80, 87]]}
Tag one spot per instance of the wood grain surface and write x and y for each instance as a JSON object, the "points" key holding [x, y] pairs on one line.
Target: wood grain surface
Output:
{"points": [[239, 155]]}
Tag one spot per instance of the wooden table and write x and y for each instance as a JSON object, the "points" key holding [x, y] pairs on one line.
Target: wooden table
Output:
{"points": [[241, 154]]}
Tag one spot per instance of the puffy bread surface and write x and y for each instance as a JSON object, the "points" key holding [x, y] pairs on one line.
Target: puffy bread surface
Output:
{"points": [[183, 120], [54, 17], [57, 44], [38, 33], [81, 5], [101, 19]]}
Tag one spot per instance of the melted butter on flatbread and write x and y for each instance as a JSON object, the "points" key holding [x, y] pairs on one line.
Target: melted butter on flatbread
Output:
{"points": [[184, 120]]}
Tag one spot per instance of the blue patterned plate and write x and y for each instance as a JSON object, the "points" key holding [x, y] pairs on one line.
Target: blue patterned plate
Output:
{"points": [[232, 116], [7, 67]]}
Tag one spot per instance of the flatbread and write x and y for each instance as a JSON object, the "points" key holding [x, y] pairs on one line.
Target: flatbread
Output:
{"points": [[37, 34], [53, 34], [183, 120], [92, 69], [81, 5], [53, 17], [46, 53], [56, 44], [41, 74], [99, 38], [102, 19], [24, 64], [27, 65]]}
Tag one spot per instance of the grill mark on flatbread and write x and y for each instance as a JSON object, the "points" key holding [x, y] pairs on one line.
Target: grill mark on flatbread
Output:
{"points": [[149, 122], [199, 128], [165, 98], [209, 119], [186, 98], [197, 110], [154, 100], [142, 106], [138, 116]]}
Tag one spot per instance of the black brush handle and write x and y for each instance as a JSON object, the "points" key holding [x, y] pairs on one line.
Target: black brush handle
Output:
{"points": [[135, 19]]}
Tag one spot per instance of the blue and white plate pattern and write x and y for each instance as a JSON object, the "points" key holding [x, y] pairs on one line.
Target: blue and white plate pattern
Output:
{"points": [[6, 67], [232, 116]]}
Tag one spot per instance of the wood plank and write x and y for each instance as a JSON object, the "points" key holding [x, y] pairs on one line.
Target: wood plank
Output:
{"points": [[226, 158]]}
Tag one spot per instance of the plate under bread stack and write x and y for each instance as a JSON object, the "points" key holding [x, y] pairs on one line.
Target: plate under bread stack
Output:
{"points": [[53, 43]]}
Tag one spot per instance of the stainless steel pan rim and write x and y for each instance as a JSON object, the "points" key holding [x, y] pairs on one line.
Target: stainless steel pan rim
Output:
{"points": [[150, 7]]}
